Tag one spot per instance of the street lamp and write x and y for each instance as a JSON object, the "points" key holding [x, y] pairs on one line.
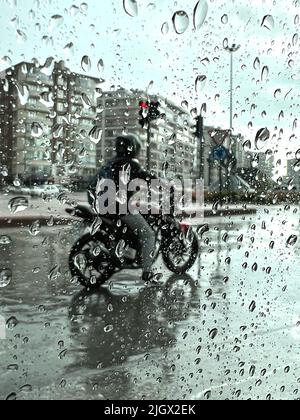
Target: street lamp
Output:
{"points": [[231, 49]]}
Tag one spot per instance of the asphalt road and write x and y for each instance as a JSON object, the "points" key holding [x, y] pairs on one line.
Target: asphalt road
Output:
{"points": [[231, 329]]}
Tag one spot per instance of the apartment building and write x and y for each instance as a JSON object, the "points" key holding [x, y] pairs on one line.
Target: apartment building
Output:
{"points": [[46, 113], [293, 173]]}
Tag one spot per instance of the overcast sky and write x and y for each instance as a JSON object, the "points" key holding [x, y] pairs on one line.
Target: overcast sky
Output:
{"points": [[135, 51]]}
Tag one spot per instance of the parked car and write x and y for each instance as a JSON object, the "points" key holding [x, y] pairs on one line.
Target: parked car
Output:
{"points": [[21, 190], [63, 189], [45, 190]]}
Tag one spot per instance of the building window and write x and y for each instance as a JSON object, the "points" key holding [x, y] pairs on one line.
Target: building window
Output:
{"points": [[60, 94], [32, 101], [60, 107]]}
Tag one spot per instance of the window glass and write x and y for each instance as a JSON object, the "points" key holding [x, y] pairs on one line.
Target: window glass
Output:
{"points": [[200, 302]]}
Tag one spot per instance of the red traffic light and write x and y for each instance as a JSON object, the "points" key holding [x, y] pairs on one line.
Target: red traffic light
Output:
{"points": [[144, 104]]}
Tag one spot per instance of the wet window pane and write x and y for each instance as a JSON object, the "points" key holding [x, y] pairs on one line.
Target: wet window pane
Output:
{"points": [[149, 199]]}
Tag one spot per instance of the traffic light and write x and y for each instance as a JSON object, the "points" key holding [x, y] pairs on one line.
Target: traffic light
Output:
{"points": [[198, 127], [148, 112], [154, 112], [143, 113]]}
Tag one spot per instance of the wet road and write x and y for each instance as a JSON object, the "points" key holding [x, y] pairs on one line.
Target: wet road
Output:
{"points": [[229, 330]]}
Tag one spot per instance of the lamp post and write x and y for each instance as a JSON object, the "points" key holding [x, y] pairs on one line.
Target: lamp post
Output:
{"points": [[231, 50]]}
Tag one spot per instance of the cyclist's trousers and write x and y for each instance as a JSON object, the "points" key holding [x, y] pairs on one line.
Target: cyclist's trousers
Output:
{"points": [[146, 235]]}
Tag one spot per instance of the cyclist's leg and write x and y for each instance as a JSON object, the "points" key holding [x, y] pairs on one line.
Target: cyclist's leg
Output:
{"points": [[146, 235]]}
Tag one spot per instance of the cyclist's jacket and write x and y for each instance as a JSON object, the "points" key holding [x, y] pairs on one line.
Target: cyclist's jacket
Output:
{"points": [[120, 168]]}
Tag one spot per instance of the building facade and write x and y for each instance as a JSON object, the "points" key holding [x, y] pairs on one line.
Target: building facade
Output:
{"points": [[46, 113], [216, 177], [173, 144], [293, 173], [266, 164]]}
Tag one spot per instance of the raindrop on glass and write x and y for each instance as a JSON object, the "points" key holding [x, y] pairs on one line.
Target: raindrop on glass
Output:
{"points": [[207, 395], [125, 174], [74, 10], [11, 397], [5, 240], [18, 204], [36, 130], [26, 388], [252, 306], [46, 99], [225, 237], [21, 36], [208, 293], [247, 146], [262, 136], [100, 65], [200, 13], [13, 367], [165, 28], [108, 328], [69, 49], [277, 93], [296, 166], [11, 323], [56, 21], [268, 22], [34, 229], [264, 73], [225, 43], [224, 19], [48, 67], [213, 333], [292, 240], [5, 277], [256, 63], [86, 63], [252, 370], [23, 93], [84, 7], [62, 354], [54, 273], [181, 22], [200, 83], [95, 134], [295, 124], [131, 7], [96, 225], [120, 248], [295, 40], [240, 238], [165, 168]]}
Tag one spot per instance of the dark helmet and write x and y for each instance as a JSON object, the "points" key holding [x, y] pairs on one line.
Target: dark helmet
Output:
{"points": [[128, 146]]}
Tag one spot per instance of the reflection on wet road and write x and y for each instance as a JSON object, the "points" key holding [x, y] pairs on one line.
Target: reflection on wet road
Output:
{"points": [[230, 329]]}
